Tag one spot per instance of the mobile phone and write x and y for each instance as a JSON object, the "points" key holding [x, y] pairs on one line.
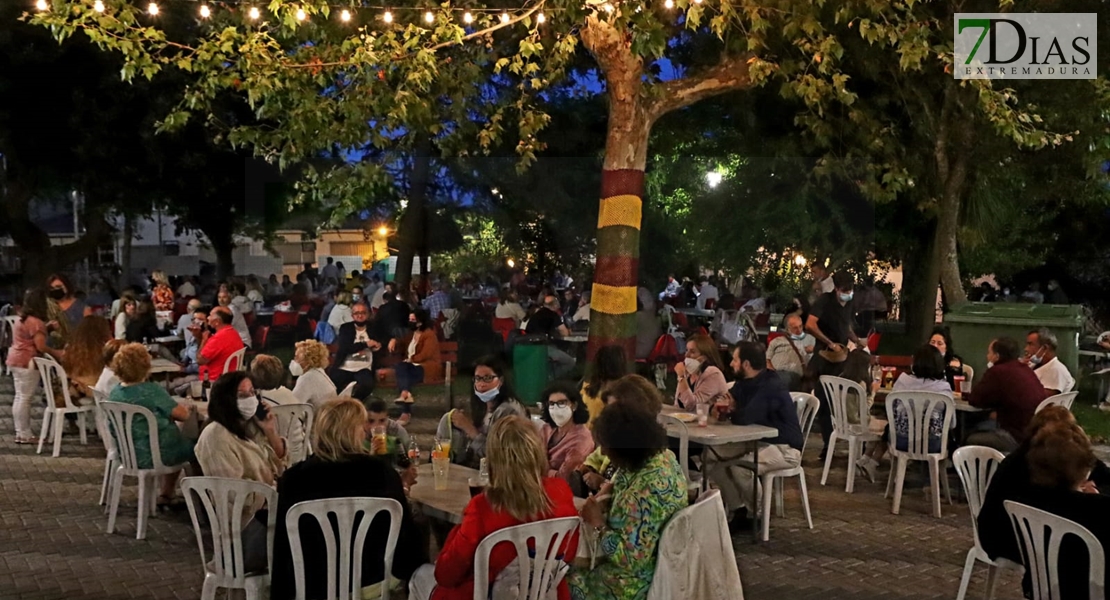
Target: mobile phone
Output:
{"points": [[262, 411]]}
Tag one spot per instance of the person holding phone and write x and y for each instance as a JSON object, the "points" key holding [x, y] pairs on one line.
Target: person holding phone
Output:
{"points": [[240, 441]]}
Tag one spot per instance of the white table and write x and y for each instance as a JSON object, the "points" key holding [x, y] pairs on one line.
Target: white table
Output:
{"points": [[169, 339], [705, 313], [576, 339], [161, 365], [448, 505]]}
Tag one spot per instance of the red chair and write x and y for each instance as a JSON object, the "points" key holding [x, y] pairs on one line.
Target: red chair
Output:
{"points": [[873, 342], [504, 327], [774, 334], [285, 320], [259, 336], [762, 319], [680, 320], [710, 304]]}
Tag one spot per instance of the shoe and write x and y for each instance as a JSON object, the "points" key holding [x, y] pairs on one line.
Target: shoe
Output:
{"points": [[740, 522], [867, 467], [27, 440], [824, 454], [399, 400], [71, 429]]}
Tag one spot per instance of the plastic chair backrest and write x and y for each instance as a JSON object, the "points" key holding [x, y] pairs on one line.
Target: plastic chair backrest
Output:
{"points": [[919, 408], [969, 372], [51, 371], [665, 349], [774, 335], [346, 557], [540, 570], [350, 388], [289, 414], [223, 501], [976, 466], [1066, 399], [807, 406], [1041, 533], [683, 441], [101, 419], [7, 330], [237, 359], [287, 319], [836, 390], [873, 342], [120, 418], [504, 327]]}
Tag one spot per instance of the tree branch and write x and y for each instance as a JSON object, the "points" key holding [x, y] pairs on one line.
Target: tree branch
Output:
{"points": [[730, 74]]}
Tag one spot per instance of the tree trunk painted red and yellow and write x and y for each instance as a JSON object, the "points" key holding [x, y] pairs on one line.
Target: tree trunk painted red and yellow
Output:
{"points": [[613, 298]]}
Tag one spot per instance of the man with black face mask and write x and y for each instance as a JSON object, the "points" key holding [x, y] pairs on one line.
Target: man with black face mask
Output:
{"points": [[354, 359]]}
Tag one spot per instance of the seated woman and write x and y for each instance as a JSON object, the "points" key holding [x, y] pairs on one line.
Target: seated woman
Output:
{"points": [[128, 308], [953, 364], [83, 360], [268, 376], [648, 489], [341, 467], [518, 492], [308, 365], [701, 376], [596, 469], [132, 365], [492, 401], [108, 380], [241, 441], [610, 364], [421, 361], [565, 436]]}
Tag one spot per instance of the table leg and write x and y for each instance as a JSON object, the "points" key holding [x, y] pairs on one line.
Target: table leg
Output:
{"points": [[757, 526]]}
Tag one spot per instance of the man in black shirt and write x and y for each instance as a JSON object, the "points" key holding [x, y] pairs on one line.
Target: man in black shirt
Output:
{"points": [[830, 321], [547, 321]]}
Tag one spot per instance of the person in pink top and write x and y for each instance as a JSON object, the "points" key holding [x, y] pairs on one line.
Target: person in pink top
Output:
{"points": [[28, 341], [701, 377], [566, 439]]}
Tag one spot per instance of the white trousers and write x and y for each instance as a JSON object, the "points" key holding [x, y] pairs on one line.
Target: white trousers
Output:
{"points": [[26, 382], [422, 583], [736, 483]]}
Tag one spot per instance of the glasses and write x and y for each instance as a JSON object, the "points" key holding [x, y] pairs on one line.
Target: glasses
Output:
{"points": [[484, 378], [250, 394], [559, 404]]}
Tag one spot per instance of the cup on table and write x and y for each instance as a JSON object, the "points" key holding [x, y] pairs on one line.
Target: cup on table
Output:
{"points": [[965, 387], [440, 464], [723, 408], [196, 388], [378, 434], [476, 486], [703, 415]]}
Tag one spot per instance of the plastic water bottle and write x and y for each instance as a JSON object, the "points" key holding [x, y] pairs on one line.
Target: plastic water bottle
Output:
{"points": [[483, 473]]}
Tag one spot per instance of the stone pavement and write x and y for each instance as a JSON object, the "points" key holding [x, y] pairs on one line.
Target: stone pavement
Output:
{"points": [[53, 545]]}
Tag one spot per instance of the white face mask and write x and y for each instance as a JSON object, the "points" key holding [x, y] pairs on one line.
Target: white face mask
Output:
{"points": [[295, 368], [990, 364], [488, 395], [693, 365], [248, 406], [560, 414]]}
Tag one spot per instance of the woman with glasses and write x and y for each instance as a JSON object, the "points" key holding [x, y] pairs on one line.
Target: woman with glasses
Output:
{"points": [[566, 439], [493, 400]]}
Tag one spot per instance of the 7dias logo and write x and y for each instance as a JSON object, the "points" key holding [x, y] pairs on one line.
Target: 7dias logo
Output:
{"points": [[1026, 46]]}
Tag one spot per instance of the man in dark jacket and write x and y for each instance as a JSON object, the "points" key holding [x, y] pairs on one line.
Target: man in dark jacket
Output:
{"points": [[354, 359], [1010, 389], [759, 398]]}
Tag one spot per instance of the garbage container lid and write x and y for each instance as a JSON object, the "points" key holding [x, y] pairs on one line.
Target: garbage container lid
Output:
{"points": [[1029, 315]]}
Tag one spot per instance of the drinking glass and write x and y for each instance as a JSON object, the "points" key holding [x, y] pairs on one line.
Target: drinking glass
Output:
{"points": [[703, 415], [379, 436], [965, 387], [440, 464]]}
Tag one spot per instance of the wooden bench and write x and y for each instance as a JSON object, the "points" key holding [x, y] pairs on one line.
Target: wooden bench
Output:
{"points": [[448, 355]]}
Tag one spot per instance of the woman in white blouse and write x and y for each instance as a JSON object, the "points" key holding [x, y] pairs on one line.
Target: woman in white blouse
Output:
{"points": [[308, 365], [341, 312], [127, 312]]}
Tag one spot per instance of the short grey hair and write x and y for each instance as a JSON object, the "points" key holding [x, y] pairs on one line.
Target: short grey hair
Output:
{"points": [[1046, 337]]}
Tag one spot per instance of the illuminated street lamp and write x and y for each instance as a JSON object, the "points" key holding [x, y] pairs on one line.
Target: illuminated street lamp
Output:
{"points": [[713, 178]]}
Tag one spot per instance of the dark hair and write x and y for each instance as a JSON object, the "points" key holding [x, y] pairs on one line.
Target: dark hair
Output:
{"points": [[224, 314], [34, 305], [610, 364], [752, 352], [65, 282], [495, 364], [928, 363], [630, 435], [581, 414], [1006, 348], [942, 331], [423, 319], [857, 367], [223, 403], [363, 391], [843, 280], [375, 404]]}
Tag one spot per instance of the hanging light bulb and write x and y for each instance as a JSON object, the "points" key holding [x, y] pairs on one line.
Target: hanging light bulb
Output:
{"points": [[254, 13], [301, 15], [607, 7], [429, 17], [540, 18], [41, 5], [345, 15], [468, 18], [668, 4], [504, 17], [387, 17], [697, 1], [98, 6], [152, 8], [205, 12]]}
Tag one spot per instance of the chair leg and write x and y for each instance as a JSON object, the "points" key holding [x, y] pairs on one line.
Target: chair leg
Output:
{"points": [[934, 486], [992, 579], [144, 508], [853, 445], [208, 592], [890, 477], [59, 425], [828, 457], [81, 426], [805, 499], [106, 482], [113, 504], [46, 418], [900, 480], [768, 492], [969, 566], [944, 481], [778, 497]]}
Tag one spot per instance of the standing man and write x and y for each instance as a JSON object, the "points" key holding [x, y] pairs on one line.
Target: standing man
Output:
{"points": [[789, 354], [330, 270], [547, 321], [1040, 353], [830, 322], [707, 291], [822, 282]]}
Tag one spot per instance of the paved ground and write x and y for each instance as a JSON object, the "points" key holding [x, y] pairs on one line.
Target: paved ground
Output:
{"points": [[53, 545]]}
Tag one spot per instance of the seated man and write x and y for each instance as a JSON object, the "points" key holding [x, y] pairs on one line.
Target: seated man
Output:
{"points": [[224, 298], [672, 289], [789, 354], [217, 344], [1040, 353], [354, 358], [547, 321], [706, 292], [1012, 391], [759, 398], [397, 440], [197, 318]]}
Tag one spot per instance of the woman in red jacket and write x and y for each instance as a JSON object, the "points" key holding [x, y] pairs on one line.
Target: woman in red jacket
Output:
{"points": [[519, 492]]}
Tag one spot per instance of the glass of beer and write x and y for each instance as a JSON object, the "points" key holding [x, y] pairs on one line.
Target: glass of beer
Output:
{"points": [[724, 407], [378, 438], [476, 486]]}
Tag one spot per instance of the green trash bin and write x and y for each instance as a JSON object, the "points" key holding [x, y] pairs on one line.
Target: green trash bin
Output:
{"points": [[530, 368], [974, 324]]}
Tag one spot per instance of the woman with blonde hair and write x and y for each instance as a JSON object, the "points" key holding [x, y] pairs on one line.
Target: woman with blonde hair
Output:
{"points": [[519, 492], [341, 467], [161, 294], [701, 377], [313, 384], [341, 312]]}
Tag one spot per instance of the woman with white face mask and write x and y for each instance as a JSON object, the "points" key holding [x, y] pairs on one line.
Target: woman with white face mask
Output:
{"points": [[701, 377], [493, 399], [313, 384], [565, 436], [241, 442]]}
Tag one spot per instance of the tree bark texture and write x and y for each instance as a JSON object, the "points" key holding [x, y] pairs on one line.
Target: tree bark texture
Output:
{"points": [[951, 154], [413, 225]]}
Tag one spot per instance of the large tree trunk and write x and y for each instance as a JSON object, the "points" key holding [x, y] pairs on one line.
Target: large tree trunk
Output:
{"points": [[412, 228], [125, 251], [951, 153], [920, 274], [225, 263]]}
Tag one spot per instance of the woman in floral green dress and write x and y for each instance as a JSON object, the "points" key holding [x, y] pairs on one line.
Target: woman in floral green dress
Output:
{"points": [[647, 490]]}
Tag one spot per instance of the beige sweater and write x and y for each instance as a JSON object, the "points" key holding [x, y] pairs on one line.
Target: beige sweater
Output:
{"points": [[223, 454]]}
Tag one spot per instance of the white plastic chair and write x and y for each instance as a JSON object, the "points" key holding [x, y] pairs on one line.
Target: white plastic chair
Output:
{"points": [[807, 406], [223, 501], [344, 558], [51, 372], [1041, 533], [836, 390], [120, 418], [289, 418], [919, 407], [7, 335], [541, 570], [695, 553], [976, 466], [238, 358], [347, 390], [1066, 400], [111, 461], [969, 372], [683, 447]]}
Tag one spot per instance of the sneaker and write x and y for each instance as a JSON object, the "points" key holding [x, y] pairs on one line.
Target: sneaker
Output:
{"points": [[867, 467], [399, 400]]}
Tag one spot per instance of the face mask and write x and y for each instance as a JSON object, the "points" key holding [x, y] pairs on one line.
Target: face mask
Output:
{"points": [[248, 406], [798, 337], [57, 293], [356, 297], [1036, 360], [487, 397], [990, 364], [846, 297], [412, 325], [211, 329], [560, 414], [692, 365], [295, 368]]}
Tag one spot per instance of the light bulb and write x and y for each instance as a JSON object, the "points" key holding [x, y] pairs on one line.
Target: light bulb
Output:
{"points": [[387, 17], [254, 13], [345, 15], [540, 18], [41, 5], [668, 4], [429, 17], [504, 17], [98, 6], [697, 1], [607, 7], [152, 8], [468, 18], [205, 12], [301, 14]]}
